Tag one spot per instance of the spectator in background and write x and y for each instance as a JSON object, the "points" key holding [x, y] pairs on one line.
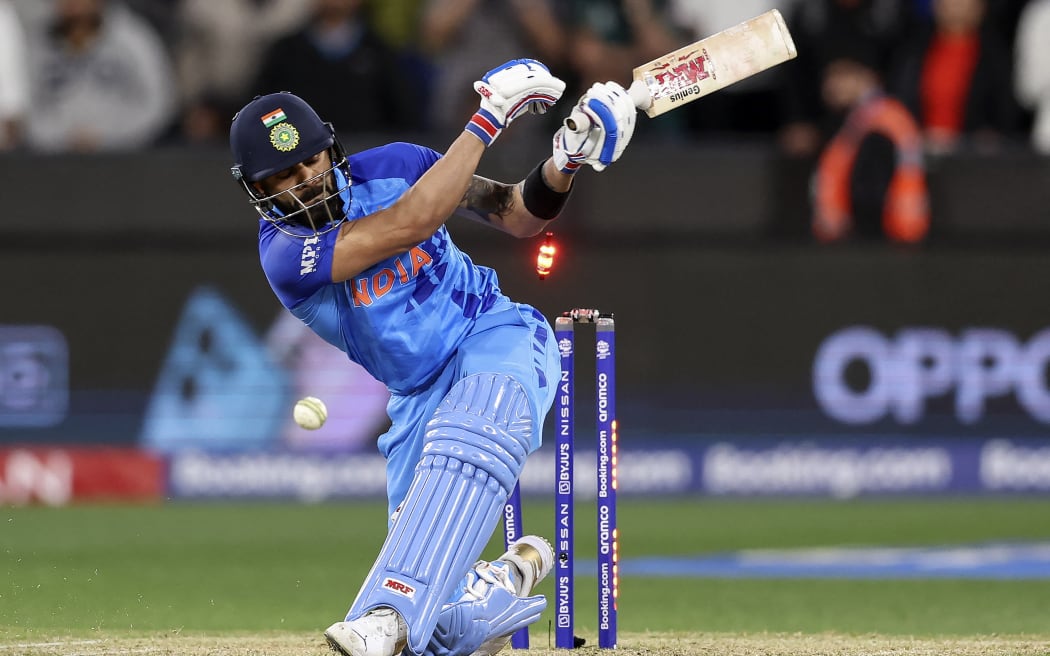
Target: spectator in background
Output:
{"points": [[217, 50], [870, 182], [160, 14], [14, 80], [955, 74], [456, 34], [922, 8], [1032, 81], [749, 105], [610, 37], [350, 74], [1003, 14], [399, 24], [101, 80], [817, 26], [397, 21], [1004, 17]]}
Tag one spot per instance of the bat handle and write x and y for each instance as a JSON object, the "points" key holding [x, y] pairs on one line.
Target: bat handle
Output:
{"points": [[579, 122], [639, 93]]}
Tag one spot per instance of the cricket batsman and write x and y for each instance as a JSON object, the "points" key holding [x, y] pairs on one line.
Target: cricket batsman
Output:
{"points": [[355, 246]]}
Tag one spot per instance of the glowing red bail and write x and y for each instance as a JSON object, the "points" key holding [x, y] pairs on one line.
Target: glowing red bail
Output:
{"points": [[545, 258]]}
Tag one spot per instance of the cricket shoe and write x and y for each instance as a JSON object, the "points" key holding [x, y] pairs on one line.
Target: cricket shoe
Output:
{"points": [[532, 558], [379, 632]]}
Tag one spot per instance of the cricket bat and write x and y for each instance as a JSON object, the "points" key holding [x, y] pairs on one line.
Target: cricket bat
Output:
{"points": [[706, 66]]}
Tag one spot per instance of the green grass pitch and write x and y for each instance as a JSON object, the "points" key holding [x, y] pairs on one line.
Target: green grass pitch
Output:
{"points": [[231, 569]]}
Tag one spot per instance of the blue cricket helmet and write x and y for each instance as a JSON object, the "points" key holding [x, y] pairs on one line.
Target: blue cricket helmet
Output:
{"points": [[273, 133]]}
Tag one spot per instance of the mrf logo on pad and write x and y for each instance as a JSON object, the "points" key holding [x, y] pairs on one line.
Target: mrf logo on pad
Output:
{"points": [[399, 587]]}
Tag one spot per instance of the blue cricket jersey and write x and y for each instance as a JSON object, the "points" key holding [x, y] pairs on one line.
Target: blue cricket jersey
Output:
{"points": [[401, 319]]}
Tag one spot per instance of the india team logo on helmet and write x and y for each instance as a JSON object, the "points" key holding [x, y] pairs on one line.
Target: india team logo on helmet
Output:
{"points": [[284, 137]]}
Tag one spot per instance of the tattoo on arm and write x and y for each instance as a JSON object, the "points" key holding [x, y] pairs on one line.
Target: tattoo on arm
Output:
{"points": [[486, 197]]}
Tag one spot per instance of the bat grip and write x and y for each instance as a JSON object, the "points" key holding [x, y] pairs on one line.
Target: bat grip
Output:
{"points": [[578, 121], [639, 93]]}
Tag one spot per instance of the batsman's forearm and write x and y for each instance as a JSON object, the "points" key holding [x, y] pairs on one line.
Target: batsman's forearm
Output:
{"points": [[521, 222], [434, 197], [415, 217], [555, 179]]}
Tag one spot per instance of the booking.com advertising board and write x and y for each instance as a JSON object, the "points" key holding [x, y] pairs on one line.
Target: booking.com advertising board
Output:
{"points": [[775, 373]]}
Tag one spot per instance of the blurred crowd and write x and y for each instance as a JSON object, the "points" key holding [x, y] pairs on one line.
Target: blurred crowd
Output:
{"points": [[104, 75]]}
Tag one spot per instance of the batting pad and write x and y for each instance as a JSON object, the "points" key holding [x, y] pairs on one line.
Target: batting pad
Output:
{"points": [[473, 452]]}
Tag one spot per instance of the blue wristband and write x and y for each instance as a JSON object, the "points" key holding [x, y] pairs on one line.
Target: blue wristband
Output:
{"points": [[484, 126]]}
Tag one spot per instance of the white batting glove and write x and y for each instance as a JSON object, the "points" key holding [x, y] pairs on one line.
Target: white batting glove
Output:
{"points": [[510, 90], [571, 149], [598, 130]]}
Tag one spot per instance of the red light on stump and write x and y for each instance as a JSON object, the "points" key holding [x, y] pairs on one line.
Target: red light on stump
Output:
{"points": [[545, 258]]}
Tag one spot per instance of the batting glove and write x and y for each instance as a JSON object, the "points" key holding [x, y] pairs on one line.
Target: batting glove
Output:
{"points": [[510, 90], [598, 130]]}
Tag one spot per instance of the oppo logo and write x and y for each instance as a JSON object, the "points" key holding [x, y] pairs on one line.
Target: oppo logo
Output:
{"points": [[916, 364]]}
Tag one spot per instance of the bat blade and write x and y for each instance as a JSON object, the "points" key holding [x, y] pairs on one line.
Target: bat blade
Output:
{"points": [[712, 63]]}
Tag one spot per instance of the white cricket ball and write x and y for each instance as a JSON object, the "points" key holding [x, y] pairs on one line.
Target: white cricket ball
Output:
{"points": [[310, 413]]}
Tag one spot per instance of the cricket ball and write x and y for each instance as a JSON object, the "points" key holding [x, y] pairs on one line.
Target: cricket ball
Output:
{"points": [[310, 413]]}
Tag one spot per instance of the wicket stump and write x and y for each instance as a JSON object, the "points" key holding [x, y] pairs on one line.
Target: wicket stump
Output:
{"points": [[564, 493]]}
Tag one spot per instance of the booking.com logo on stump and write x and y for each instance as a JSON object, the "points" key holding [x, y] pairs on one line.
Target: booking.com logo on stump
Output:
{"points": [[909, 368]]}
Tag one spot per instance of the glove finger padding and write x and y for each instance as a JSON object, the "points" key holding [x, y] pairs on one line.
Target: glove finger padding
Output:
{"points": [[571, 148], [510, 90], [523, 85], [612, 114]]}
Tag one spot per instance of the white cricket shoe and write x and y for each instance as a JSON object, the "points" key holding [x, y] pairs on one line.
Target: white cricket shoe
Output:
{"points": [[379, 632], [532, 558]]}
